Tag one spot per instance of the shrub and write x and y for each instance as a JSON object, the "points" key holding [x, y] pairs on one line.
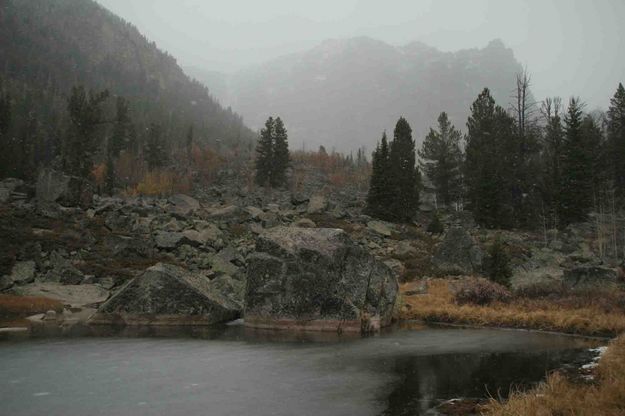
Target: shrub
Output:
{"points": [[497, 264], [435, 226], [479, 291]]}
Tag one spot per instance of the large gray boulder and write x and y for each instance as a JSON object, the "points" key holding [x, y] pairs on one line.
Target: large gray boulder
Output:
{"points": [[55, 186], [169, 295], [458, 254], [317, 279]]}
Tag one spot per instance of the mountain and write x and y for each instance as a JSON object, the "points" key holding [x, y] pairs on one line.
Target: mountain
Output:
{"points": [[49, 46], [344, 93]]}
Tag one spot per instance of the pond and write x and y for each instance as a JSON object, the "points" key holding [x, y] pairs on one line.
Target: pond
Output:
{"points": [[237, 371]]}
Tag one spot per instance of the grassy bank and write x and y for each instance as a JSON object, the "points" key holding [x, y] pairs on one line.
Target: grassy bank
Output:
{"points": [[22, 306], [574, 316], [558, 396]]}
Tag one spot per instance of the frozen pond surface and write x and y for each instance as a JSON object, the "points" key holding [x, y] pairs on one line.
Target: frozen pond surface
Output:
{"points": [[241, 372]]}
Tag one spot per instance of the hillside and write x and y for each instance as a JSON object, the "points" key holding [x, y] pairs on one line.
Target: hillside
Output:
{"points": [[50, 46], [343, 93]]}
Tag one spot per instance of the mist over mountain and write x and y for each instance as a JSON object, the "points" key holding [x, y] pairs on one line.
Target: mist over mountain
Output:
{"points": [[48, 47], [343, 93]]}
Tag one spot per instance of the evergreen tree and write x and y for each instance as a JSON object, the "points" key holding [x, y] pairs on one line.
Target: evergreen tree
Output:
{"points": [[616, 140], [155, 151], [405, 179], [123, 130], [83, 139], [489, 154], [380, 192], [441, 160], [497, 264], [280, 154], [189, 142], [552, 159], [576, 176], [264, 154], [595, 142]]}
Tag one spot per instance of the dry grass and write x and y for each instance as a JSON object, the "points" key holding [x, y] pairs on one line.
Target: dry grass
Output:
{"points": [[21, 306], [557, 396], [585, 319]]}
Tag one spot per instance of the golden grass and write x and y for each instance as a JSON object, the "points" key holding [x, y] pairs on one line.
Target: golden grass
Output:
{"points": [[559, 397], [438, 306], [20, 306]]}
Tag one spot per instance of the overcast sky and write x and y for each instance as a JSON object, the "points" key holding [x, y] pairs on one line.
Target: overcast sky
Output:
{"points": [[571, 47]]}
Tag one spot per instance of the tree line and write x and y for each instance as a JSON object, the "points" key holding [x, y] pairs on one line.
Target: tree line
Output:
{"points": [[531, 166]]}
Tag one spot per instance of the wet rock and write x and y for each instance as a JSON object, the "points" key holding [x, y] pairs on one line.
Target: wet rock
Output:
{"points": [[169, 295], [317, 204], [316, 279], [458, 253]]}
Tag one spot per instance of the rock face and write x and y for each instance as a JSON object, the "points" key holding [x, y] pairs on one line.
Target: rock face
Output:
{"points": [[458, 253], [54, 186], [316, 279], [169, 295]]}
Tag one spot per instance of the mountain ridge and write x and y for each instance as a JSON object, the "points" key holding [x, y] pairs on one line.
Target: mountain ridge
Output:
{"points": [[358, 87]]}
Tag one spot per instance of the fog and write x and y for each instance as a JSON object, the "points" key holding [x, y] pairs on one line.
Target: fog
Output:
{"points": [[571, 47]]}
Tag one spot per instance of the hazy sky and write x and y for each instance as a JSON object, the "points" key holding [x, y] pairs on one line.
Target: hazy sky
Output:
{"points": [[571, 47]]}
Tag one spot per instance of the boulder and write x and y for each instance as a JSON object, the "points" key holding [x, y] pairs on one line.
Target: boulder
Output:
{"points": [[183, 204], [229, 213], [169, 295], [458, 254], [590, 277], [62, 271], [168, 240], [8, 187], [55, 186], [304, 223], [379, 227], [317, 279], [317, 204], [23, 272]]}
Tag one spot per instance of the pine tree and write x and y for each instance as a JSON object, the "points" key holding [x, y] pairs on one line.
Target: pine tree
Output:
{"points": [[497, 264], [380, 192], [595, 142], [122, 129], [441, 160], [155, 152], [83, 139], [489, 154], [280, 154], [405, 179], [552, 159], [616, 140], [189, 142], [264, 154], [576, 176]]}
